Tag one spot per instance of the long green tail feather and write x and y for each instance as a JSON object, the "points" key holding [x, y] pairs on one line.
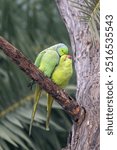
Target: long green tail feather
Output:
{"points": [[36, 100], [49, 108]]}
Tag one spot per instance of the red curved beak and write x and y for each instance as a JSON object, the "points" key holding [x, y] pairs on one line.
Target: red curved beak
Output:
{"points": [[69, 56]]}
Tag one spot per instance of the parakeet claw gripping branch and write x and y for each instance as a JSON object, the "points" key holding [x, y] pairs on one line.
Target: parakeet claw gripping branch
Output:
{"points": [[68, 103]]}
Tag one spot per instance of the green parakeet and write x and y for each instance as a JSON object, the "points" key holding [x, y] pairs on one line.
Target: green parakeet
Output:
{"points": [[46, 61], [61, 77]]}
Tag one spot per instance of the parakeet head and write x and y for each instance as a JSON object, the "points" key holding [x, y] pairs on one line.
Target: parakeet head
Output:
{"points": [[62, 49], [66, 60]]}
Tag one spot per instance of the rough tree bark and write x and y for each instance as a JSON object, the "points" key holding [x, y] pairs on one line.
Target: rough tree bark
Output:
{"points": [[86, 61]]}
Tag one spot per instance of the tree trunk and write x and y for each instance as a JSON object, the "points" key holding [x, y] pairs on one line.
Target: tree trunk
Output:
{"points": [[86, 61]]}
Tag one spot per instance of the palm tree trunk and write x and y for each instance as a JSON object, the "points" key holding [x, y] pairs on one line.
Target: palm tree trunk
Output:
{"points": [[86, 61]]}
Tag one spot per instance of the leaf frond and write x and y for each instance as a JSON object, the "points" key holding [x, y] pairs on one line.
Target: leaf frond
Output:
{"points": [[90, 14], [16, 105]]}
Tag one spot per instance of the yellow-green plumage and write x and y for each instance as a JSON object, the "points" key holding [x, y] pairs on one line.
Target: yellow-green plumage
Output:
{"points": [[61, 77], [46, 61], [63, 71]]}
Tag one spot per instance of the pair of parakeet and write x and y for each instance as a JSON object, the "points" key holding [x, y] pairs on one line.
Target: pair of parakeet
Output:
{"points": [[56, 64]]}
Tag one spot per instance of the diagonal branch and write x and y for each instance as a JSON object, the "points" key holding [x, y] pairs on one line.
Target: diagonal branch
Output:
{"points": [[68, 103]]}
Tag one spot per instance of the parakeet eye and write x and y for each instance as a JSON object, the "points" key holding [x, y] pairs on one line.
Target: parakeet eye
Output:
{"points": [[61, 52], [62, 49]]}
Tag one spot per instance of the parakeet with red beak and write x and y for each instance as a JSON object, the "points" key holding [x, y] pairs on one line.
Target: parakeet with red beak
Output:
{"points": [[61, 77]]}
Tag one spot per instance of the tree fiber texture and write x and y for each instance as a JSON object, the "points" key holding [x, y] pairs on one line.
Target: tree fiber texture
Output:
{"points": [[86, 60], [69, 105]]}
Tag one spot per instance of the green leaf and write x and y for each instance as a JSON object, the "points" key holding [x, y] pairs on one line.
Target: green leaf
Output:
{"points": [[15, 138], [4, 145], [18, 132], [90, 14], [6, 136], [11, 118]]}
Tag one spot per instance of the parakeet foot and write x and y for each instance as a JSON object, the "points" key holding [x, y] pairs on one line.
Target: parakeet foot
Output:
{"points": [[30, 84]]}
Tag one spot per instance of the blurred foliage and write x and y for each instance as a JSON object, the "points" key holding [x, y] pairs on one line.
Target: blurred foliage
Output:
{"points": [[30, 25], [90, 14]]}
